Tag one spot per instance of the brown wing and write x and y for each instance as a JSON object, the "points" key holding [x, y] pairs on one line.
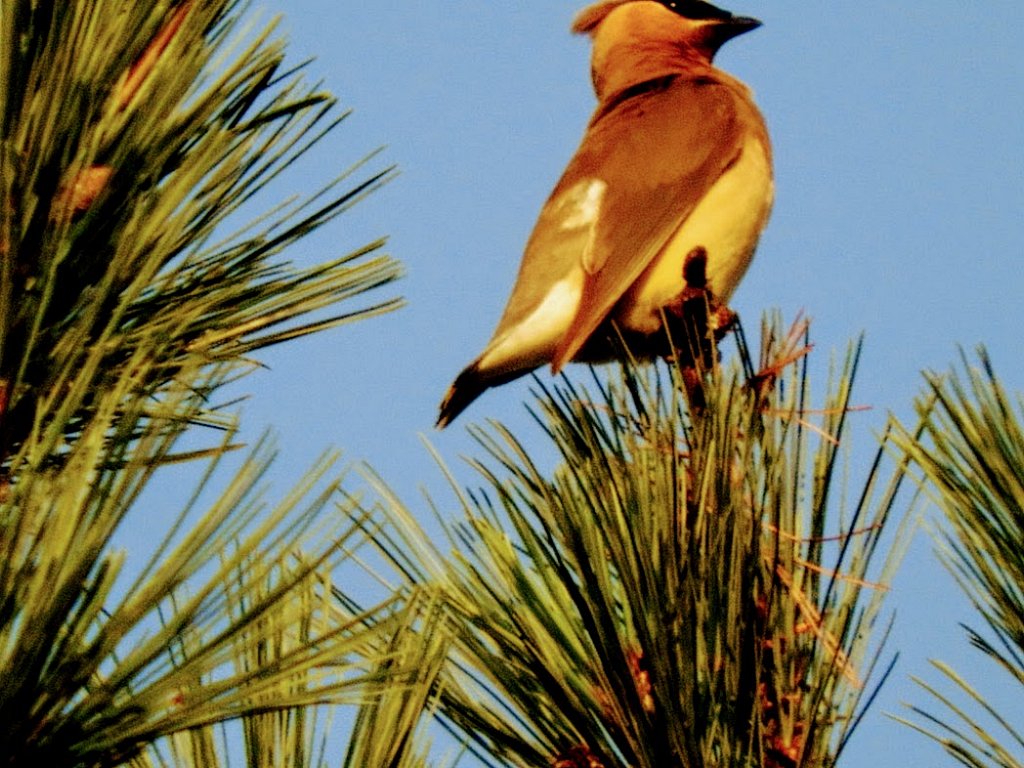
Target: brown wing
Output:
{"points": [[658, 152], [559, 242]]}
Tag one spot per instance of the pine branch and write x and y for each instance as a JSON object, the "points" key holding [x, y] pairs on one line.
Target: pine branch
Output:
{"points": [[677, 590], [137, 278], [970, 449], [134, 138]]}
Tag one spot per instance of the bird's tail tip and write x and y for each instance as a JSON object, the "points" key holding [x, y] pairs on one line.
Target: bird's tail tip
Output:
{"points": [[466, 388]]}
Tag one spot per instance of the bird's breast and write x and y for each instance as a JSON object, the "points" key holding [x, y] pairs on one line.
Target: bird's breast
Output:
{"points": [[726, 223]]}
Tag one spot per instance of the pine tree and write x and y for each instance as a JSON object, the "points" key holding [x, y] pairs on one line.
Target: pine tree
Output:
{"points": [[138, 278]]}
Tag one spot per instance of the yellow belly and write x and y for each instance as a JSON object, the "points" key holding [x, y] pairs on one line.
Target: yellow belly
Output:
{"points": [[726, 223]]}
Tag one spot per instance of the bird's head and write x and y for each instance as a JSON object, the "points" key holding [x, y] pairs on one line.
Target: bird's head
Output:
{"points": [[642, 39]]}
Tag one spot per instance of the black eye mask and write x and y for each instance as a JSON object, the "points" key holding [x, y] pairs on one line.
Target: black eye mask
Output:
{"points": [[695, 9]]}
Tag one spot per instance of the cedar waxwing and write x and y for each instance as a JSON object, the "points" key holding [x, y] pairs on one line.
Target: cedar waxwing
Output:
{"points": [[675, 164]]}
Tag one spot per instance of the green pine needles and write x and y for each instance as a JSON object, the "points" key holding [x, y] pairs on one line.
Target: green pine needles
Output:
{"points": [[133, 137], [971, 456], [683, 588], [137, 277]]}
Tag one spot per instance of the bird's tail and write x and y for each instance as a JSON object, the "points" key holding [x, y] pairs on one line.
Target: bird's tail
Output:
{"points": [[466, 388]]}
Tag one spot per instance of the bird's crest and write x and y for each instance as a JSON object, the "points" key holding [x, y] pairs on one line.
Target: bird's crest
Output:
{"points": [[588, 19]]}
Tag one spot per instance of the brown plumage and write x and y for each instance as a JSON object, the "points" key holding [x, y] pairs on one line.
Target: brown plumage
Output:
{"points": [[675, 158]]}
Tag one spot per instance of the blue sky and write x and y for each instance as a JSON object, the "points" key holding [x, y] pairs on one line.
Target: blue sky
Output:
{"points": [[898, 131]]}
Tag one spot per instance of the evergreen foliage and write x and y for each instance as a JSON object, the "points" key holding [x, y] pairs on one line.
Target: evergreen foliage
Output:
{"points": [[133, 138], [681, 589], [971, 455]]}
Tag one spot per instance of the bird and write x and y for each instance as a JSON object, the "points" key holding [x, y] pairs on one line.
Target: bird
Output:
{"points": [[671, 187]]}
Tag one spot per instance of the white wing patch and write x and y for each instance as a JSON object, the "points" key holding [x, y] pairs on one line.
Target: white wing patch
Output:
{"points": [[532, 342], [580, 208], [581, 205]]}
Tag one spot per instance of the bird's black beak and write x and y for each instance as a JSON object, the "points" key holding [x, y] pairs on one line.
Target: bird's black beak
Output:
{"points": [[720, 31], [737, 25]]}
